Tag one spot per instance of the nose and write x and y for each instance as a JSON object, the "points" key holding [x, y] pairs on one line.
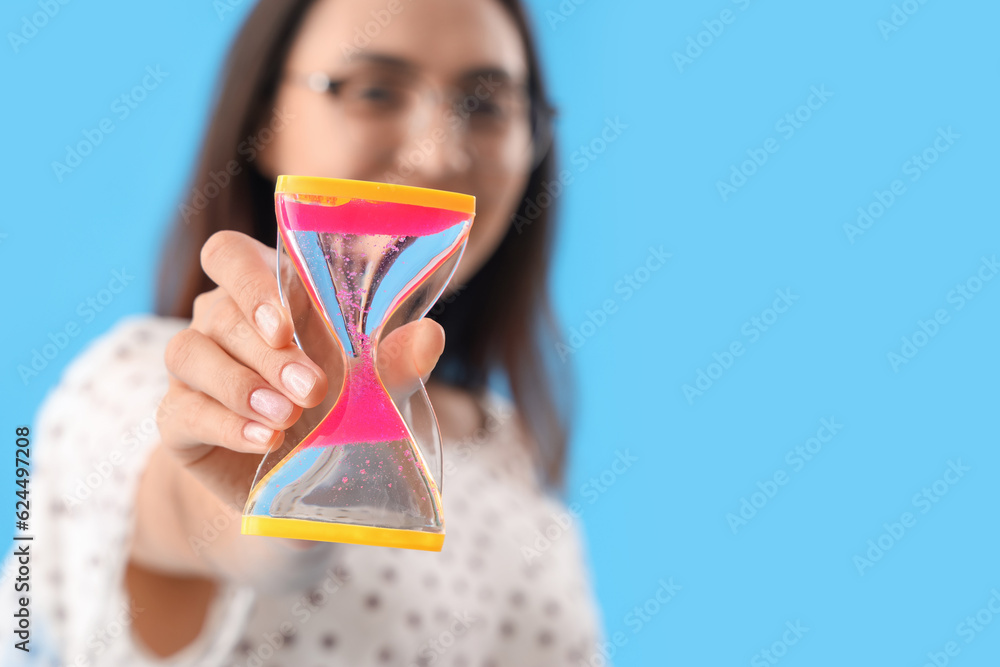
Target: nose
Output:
{"points": [[437, 151]]}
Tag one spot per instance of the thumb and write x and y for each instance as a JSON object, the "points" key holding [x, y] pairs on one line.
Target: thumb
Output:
{"points": [[428, 347], [408, 355]]}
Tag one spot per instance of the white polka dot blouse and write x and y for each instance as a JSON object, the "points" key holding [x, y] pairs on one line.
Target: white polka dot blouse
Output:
{"points": [[510, 587]]}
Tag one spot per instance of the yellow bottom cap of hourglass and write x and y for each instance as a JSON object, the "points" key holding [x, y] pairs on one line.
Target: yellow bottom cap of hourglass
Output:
{"points": [[341, 532]]}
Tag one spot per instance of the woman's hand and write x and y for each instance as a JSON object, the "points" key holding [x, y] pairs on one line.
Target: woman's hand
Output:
{"points": [[237, 378]]}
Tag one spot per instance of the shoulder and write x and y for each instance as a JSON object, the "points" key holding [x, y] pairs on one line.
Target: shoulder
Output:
{"points": [[116, 373], [96, 426], [465, 417], [134, 333], [484, 437], [130, 341]]}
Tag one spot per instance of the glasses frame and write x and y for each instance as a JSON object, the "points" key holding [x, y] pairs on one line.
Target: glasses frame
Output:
{"points": [[541, 113]]}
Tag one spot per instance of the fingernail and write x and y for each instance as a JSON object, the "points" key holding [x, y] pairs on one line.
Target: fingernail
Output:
{"points": [[271, 404], [257, 433], [298, 379], [267, 319]]}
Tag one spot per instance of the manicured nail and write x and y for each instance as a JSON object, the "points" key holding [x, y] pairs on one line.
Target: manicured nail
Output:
{"points": [[271, 404], [257, 433], [298, 379], [267, 319]]}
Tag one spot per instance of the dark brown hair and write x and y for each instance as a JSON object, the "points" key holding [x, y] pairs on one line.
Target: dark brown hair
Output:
{"points": [[500, 320]]}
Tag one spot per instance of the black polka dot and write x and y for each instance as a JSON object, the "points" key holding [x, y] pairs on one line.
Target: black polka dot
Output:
{"points": [[385, 654], [328, 641], [423, 661], [545, 638], [431, 581], [373, 601], [507, 628], [413, 619], [441, 614], [476, 563], [517, 598], [242, 646], [485, 593], [551, 608], [389, 574]]}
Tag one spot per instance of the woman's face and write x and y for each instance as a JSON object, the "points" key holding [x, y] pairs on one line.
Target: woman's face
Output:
{"points": [[427, 93]]}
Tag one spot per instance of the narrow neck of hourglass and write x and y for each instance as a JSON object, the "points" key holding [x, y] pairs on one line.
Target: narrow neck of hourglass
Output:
{"points": [[365, 407]]}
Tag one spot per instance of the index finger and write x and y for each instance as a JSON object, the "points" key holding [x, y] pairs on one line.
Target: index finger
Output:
{"points": [[245, 269]]}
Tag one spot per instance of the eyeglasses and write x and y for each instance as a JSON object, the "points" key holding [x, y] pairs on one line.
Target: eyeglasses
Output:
{"points": [[386, 106]]}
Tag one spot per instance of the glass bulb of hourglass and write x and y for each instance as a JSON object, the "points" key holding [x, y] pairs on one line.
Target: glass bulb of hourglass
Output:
{"points": [[356, 261]]}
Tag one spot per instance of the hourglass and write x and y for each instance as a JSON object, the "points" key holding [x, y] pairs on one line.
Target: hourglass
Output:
{"points": [[357, 260]]}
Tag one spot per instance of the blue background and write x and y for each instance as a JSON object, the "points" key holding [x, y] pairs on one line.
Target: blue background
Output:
{"points": [[681, 129]]}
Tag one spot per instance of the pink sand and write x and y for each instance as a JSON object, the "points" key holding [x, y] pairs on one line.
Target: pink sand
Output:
{"points": [[359, 216], [363, 413]]}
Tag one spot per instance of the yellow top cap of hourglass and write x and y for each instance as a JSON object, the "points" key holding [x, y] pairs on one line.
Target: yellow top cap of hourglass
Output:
{"points": [[372, 191]]}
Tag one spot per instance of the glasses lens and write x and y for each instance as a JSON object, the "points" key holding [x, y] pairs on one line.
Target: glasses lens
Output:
{"points": [[377, 94], [494, 116]]}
